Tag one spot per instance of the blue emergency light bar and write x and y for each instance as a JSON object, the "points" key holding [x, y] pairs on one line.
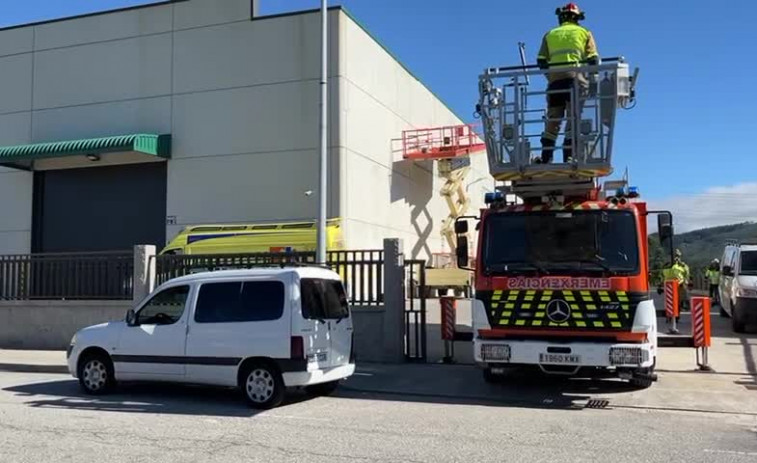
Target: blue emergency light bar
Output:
{"points": [[493, 197]]}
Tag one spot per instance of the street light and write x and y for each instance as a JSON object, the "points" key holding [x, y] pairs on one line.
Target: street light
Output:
{"points": [[324, 165]]}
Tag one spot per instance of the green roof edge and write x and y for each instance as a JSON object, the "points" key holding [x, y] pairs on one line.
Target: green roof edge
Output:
{"points": [[152, 144]]}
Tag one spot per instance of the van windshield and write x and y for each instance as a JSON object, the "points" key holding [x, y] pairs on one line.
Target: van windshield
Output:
{"points": [[748, 263], [323, 299]]}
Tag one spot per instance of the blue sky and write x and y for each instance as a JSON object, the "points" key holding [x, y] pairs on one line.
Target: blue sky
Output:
{"points": [[692, 130]]}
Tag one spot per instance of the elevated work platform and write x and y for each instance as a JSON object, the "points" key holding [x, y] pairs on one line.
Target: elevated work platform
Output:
{"points": [[451, 147], [581, 122]]}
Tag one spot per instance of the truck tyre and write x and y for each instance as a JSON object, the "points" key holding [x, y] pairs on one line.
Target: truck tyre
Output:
{"points": [[643, 383], [490, 377], [737, 323]]}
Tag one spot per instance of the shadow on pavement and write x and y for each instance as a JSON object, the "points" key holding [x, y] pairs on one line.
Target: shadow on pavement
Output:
{"points": [[175, 399], [464, 385]]}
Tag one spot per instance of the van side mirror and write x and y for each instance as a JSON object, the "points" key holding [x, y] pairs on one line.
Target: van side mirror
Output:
{"points": [[727, 271], [131, 317], [462, 252]]}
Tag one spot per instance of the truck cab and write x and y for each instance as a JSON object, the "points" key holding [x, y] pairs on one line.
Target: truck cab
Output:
{"points": [[564, 287]]}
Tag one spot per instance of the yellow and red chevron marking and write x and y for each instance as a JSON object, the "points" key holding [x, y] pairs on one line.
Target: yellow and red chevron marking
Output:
{"points": [[700, 317]]}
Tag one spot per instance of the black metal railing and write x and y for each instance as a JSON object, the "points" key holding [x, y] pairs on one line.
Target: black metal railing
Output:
{"points": [[102, 275], [361, 270]]}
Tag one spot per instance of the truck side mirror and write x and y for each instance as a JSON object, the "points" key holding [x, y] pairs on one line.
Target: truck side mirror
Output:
{"points": [[462, 252], [461, 227], [665, 226]]}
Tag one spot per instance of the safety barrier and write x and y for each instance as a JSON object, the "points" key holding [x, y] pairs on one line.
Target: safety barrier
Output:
{"points": [[701, 336], [449, 322], [700, 327], [672, 306]]}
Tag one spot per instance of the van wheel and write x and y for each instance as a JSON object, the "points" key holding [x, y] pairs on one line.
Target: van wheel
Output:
{"points": [[323, 389], [263, 386], [736, 323], [95, 372]]}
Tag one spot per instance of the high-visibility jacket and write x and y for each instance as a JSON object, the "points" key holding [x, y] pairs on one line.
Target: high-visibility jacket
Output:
{"points": [[677, 272], [713, 276], [568, 43]]}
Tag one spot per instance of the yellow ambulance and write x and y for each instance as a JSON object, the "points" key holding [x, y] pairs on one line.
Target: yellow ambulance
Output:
{"points": [[254, 238]]}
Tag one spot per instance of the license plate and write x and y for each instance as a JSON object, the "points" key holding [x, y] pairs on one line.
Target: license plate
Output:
{"points": [[562, 359]]}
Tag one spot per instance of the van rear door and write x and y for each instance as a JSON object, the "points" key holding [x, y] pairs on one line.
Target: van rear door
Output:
{"points": [[326, 300], [312, 326]]}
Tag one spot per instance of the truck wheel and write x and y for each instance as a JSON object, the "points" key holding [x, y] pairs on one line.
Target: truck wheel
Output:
{"points": [[441, 292], [737, 323], [491, 377], [643, 383]]}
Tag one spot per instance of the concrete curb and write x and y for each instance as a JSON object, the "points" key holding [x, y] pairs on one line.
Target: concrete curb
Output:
{"points": [[29, 368]]}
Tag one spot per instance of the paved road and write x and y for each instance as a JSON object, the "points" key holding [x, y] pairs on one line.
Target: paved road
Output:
{"points": [[43, 417]]}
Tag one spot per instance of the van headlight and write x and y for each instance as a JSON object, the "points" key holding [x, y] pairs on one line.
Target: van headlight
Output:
{"points": [[744, 292], [73, 340]]}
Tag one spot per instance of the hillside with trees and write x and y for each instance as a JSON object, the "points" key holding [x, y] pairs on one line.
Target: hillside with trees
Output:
{"points": [[699, 247]]}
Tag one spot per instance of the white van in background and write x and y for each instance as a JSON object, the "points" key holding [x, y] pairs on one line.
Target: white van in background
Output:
{"points": [[259, 330], [738, 285]]}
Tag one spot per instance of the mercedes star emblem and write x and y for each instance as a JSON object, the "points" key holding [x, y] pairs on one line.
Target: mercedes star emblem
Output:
{"points": [[558, 311]]}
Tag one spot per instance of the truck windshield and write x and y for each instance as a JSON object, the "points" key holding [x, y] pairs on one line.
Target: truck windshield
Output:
{"points": [[748, 263], [561, 242]]}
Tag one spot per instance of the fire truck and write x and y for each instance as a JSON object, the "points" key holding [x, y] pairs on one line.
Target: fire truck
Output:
{"points": [[561, 268]]}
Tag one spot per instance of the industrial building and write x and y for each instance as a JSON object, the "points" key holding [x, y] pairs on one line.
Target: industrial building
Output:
{"points": [[124, 127]]}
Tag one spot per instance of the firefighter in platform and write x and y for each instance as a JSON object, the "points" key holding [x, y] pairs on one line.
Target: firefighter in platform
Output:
{"points": [[566, 46]]}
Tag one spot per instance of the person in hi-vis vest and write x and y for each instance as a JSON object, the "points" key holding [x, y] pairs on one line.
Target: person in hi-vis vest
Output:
{"points": [[568, 45]]}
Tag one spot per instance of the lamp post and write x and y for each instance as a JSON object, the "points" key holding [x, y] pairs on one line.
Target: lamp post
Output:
{"points": [[324, 164]]}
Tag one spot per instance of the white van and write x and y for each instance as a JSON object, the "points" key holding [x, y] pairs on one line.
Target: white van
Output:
{"points": [[259, 330], [738, 285]]}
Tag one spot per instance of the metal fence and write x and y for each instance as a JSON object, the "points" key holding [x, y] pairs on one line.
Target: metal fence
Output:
{"points": [[361, 271], [80, 276]]}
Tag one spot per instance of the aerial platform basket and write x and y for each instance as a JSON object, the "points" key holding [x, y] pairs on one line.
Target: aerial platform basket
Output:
{"points": [[441, 143], [513, 110]]}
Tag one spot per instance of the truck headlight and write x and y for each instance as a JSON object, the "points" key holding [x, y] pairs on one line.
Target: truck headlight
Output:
{"points": [[744, 292], [495, 352]]}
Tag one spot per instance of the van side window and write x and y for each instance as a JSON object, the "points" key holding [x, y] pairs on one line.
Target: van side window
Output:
{"points": [[323, 299], [249, 301], [165, 308]]}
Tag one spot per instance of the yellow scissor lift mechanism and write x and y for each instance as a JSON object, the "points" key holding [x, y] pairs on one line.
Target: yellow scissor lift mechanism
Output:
{"points": [[451, 148], [513, 112]]}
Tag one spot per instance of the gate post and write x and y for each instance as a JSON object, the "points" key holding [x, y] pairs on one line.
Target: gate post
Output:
{"points": [[394, 301], [144, 271]]}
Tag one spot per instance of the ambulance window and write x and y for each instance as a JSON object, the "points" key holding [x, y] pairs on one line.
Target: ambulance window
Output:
{"points": [[297, 226], [264, 227]]}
